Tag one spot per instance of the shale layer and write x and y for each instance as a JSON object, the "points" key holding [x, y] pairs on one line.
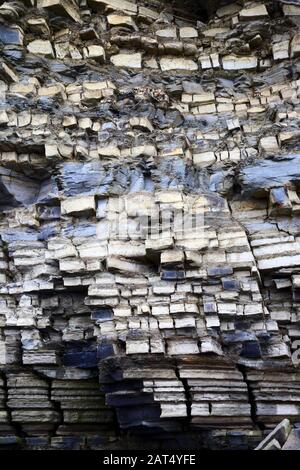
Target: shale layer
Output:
{"points": [[120, 327]]}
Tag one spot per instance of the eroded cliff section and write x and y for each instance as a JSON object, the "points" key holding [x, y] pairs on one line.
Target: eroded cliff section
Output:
{"points": [[150, 201]]}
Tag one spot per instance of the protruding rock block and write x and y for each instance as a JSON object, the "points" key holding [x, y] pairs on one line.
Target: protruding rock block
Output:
{"points": [[78, 205], [295, 46], [7, 73], [67, 8], [170, 63], [231, 62], [41, 47], [130, 60]]}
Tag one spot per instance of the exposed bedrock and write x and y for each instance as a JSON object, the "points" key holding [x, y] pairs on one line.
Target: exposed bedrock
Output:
{"points": [[149, 224]]}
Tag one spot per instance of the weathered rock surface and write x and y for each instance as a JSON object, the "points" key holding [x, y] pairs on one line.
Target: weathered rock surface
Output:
{"points": [[122, 323]]}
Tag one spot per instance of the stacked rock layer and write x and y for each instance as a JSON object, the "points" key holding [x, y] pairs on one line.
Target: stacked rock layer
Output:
{"points": [[149, 223]]}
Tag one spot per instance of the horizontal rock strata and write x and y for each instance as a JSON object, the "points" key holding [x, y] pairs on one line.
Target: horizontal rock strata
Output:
{"points": [[149, 223]]}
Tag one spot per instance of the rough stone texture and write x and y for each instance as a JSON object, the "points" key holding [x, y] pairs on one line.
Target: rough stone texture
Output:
{"points": [[283, 437], [116, 332]]}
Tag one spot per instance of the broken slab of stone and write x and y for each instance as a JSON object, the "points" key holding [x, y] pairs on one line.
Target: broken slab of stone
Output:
{"points": [[170, 33], [41, 47], [52, 90], [204, 159], [38, 25], [11, 35], [288, 136], [69, 121], [78, 205], [68, 8], [228, 10], [280, 433], [62, 50], [281, 50], [291, 9], [3, 118], [233, 124], [188, 32], [269, 145], [199, 98], [293, 440], [25, 88], [7, 73], [121, 20], [175, 63], [278, 262], [130, 60], [95, 52], [214, 32], [253, 13]]}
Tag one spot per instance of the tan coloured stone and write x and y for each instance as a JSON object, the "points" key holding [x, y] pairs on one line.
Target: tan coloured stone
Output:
{"points": [[231, 62], [121, 20], [130, 60], [167, 33], [77, 205], [281, 50], [62, 8], [174, 63], [141, 123], [269, 144], [228, 10], [41, 47], [291, 10], [254, 13], [214, 32], [188, 32], [7, 73]]}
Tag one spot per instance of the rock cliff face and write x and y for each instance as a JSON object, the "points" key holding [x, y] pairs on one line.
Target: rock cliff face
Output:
{"points": [[149, 222]]}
